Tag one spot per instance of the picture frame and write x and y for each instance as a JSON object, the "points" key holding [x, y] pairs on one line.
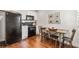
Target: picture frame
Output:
{"points": [[54, 18]]}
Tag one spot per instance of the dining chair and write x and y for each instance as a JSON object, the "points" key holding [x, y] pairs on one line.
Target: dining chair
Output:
{"points": [[39, 28], [46, 36], [53, 36], [69, 39], [42, 32]]}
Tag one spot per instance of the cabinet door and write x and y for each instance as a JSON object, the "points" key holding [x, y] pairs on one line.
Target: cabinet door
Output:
{"points": [[13, 27], [24, 32]]}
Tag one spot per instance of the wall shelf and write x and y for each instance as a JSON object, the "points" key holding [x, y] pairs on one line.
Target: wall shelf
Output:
{"points": [[28, 21]]}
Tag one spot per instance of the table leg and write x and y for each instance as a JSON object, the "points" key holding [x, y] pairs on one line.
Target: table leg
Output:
{"points": [[61, 44], [60, 40]]}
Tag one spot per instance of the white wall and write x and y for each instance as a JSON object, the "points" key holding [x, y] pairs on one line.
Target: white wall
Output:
{"points": [[65, 16], [27, 12], [68, 21], [2, 26]]}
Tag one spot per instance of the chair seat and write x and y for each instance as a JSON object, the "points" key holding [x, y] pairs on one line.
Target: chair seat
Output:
{"points": [[54, 36], [67, 39]]}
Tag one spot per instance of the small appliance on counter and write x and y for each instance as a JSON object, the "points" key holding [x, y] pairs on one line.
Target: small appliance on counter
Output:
{"points": [[29, 17]]}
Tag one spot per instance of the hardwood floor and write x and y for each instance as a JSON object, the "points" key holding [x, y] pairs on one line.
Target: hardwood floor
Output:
{"points": [[33, 42]]}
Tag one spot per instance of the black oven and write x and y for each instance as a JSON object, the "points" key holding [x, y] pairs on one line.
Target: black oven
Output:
{"points": [[31, 28], [31, 31]]}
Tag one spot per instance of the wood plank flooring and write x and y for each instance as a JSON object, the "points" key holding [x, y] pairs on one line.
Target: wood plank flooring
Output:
{"points": [[32, 42]]}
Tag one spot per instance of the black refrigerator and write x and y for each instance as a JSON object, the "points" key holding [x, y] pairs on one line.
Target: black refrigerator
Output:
{"points": [[10, 27], [13, 27]]}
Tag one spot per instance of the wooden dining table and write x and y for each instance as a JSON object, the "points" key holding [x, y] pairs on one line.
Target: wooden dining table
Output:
{"points": [[60, 32]]}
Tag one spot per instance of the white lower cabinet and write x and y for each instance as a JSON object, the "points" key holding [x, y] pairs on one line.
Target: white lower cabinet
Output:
{"points": [[24, 32]]}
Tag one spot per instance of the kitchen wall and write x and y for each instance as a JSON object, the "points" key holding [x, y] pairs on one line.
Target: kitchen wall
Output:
{"points": [[65, 16], [2, 26], [68, 21], [27, 12]]}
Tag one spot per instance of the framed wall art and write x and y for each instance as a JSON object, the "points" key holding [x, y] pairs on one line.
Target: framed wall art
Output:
{"points": [[54, 18]]}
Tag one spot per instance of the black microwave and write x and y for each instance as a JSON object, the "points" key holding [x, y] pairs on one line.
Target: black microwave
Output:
{"points": [[29, 17]]}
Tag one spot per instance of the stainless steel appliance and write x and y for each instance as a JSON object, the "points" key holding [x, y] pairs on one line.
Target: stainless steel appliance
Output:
{"points": [[10, 28]]}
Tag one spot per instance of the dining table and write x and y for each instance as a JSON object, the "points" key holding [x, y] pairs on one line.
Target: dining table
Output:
{"points": [[60, 32]]}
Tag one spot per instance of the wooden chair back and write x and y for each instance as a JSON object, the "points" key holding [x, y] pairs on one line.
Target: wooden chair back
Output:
{"points": [[73, 34]]}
